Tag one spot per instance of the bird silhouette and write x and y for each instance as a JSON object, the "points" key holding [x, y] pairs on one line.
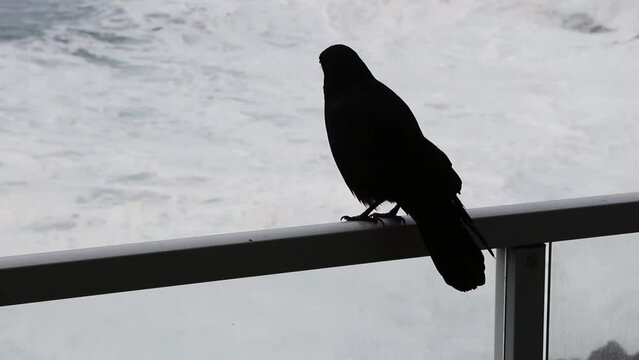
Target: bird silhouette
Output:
{"points": [[383, 156]]}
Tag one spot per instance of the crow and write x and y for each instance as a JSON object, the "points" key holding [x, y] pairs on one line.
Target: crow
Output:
{"points": [[383, 156]]}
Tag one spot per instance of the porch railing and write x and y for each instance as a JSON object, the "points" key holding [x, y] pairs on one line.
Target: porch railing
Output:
{"points": [[519, 232]]}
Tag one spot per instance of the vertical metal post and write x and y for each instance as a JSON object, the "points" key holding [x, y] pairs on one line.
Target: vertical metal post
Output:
{"points": [[547, 320], [522, 336], [500, 302]]}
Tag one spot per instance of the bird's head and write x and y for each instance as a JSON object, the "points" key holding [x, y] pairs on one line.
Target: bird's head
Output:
{"points": [[342, 68]]}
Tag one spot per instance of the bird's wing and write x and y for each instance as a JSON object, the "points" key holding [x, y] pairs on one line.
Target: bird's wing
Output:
{"points": [[406, 151], [379, 147]]}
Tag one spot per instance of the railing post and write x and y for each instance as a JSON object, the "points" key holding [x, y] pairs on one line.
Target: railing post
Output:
{"points": [[500, 305], [519, 310]]}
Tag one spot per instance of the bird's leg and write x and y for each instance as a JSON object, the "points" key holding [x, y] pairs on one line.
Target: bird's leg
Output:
{"points": [[365, 216], [390, 215]]}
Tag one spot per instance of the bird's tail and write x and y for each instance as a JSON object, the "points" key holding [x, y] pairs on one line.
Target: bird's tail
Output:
{"points": [[448, 238]]}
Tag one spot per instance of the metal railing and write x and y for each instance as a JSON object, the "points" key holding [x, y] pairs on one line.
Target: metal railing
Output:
{"points": [[519, 232]]}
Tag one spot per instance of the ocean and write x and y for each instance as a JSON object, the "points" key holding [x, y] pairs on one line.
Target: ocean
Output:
{"points": [[127, 121]]}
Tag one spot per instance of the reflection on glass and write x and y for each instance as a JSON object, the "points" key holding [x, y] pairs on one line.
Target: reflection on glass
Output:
{"points": [[391, 310], [595, 287]]}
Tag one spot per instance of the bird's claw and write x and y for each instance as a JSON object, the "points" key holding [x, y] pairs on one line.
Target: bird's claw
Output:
{"points": [[362, 218], [389, 216]]}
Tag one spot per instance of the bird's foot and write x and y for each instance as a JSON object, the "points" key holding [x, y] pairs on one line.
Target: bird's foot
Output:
{"points": [[390, 216], [362, 217]]}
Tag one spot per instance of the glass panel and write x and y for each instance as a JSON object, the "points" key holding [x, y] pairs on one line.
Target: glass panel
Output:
{"points": [[594, 296], [391, 310]]}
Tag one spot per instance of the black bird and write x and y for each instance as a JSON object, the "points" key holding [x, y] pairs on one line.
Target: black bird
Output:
{"points": [[383, 156]]}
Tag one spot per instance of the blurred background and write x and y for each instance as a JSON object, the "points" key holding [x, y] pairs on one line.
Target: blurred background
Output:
{"points": [[128, 121]]}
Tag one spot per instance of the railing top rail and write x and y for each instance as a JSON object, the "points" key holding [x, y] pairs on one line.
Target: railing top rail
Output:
{"points": [[92, 271]]}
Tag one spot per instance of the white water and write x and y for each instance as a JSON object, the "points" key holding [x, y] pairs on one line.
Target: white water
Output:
{"points": [[132, 121]]}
